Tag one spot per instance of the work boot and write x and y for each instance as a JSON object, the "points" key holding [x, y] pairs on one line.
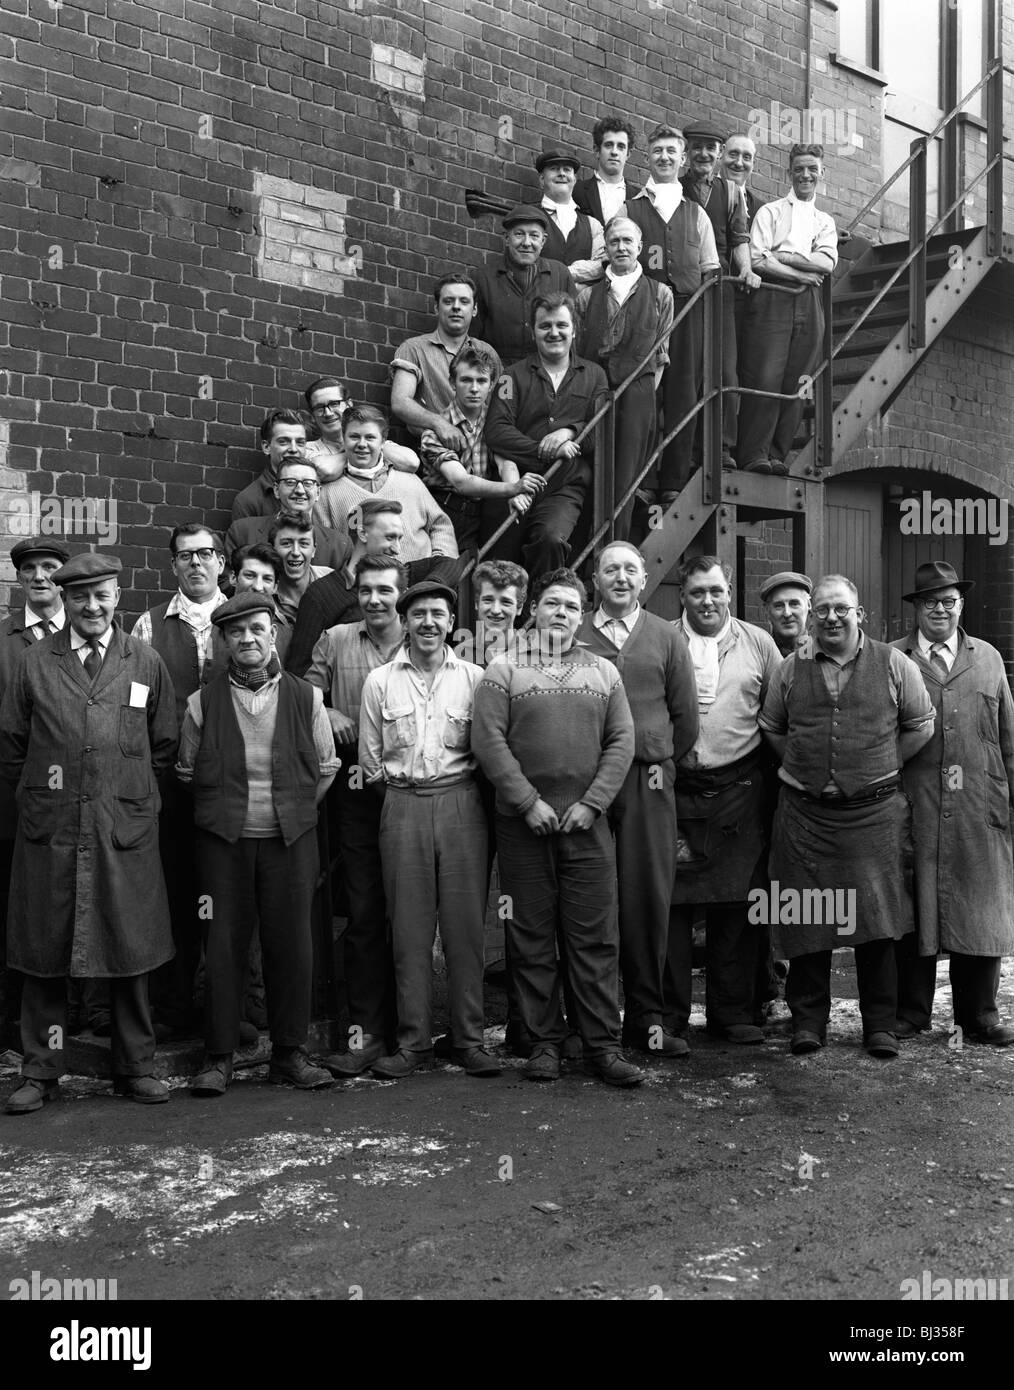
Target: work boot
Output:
{"points": [[31, 1095], [292, 1067], [214, 1077]]}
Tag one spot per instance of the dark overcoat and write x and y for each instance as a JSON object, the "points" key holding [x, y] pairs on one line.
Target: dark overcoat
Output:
{"points": [[87, 893], [15, 638], [961, 785]]}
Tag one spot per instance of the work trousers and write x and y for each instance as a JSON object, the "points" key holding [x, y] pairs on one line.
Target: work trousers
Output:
{"points": [[433, 846], [172, 984], [974, 983], [10, 980], [732, 944], [680, 391], [643, 819], [270, 884], [808, 989], [635, 437], [366, 945], [44, 1009], [548, 525], [782, 338], [564, 883], [730, 400]]}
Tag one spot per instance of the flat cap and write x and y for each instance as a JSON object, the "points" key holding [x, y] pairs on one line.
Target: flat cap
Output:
{"points": [[548, 157], [38, 545], [88, 569], [426, 588], [788, 579], [526, 212], [703, 129], [241, 604]]}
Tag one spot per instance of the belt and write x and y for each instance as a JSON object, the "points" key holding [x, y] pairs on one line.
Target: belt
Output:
{"points": [[441, 784], [876, 791], [451, 501]]}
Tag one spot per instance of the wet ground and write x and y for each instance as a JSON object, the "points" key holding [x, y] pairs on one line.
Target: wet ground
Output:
{"points": [[740, 1173]]}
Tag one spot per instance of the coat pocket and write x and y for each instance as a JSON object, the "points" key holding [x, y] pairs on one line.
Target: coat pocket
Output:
{"points": [[989, 718], [458, 730], [37, 812], [135, 824], [133, 732], [399, 726]]}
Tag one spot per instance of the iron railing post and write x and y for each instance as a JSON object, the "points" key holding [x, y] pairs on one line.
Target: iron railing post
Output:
{"points": [[917, 243], [823, 404], [604, 469], [712, 433], [994, 140]]}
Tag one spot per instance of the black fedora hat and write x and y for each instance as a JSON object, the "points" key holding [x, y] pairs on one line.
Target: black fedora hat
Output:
{"points": [[937, 574]]}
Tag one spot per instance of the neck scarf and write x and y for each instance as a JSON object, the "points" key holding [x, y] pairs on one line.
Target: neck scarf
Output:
{"points": [[704, 655], [369, 473], [621, 285], [253, 680]]}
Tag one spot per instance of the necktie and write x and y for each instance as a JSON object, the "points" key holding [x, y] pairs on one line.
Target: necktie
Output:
{"points": [[93, 661], [937, 660]]}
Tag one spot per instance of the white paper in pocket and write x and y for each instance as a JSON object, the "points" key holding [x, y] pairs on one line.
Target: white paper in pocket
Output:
{"points": [[138, 695]]}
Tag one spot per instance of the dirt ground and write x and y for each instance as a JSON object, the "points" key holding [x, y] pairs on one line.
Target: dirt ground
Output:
{"points": [[739, 1174]]}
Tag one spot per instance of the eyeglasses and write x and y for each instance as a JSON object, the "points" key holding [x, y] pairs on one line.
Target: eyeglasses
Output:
{"points": [[331, 407], [840, 610], [930, 603], [293, 483], [190, 557]]}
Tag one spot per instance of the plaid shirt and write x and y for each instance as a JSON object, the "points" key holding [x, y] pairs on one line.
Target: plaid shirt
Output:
{"points": [[474, 457]]}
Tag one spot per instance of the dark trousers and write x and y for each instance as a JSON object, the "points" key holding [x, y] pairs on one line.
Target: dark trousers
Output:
{"points": [[172, 984], [974, 983], [270, 884], [782, 338], [730, 401], [548, 524], [808, 989], [566, 883], [731, 947], [44, 1008], [366, 946], [10, 980], [465, 514], [680, 391], [643, 819], [636, 428], [433, 846]]}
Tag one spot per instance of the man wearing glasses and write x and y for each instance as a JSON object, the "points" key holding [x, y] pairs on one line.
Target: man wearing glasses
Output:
{"points": [[962, 789], [843, 713], [182, 633], [328, 401], [296, 491]]}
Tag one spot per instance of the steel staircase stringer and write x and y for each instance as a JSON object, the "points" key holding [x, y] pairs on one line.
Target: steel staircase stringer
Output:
{"points": [[684, 520]]}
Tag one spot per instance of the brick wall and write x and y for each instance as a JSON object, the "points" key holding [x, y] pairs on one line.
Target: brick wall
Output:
{"points": [[204, 205]]}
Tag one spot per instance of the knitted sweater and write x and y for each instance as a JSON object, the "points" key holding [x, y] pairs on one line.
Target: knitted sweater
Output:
{"points": [[428, 530], [556, 729]]}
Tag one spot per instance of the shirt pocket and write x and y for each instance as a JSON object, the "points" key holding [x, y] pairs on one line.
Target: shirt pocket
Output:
{"points": [[133, 732], [458, 729], [399, 726]]}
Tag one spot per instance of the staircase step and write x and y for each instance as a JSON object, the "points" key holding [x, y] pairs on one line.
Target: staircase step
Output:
{"points": [[864, 345]]}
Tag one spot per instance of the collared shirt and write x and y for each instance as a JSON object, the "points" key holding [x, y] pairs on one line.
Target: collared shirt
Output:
{"points": [[342, 659], [505, 302], [905, 689], [197, 617], [748, 659], [82, 645], [412, 734], [565, 215], [616, 629], [790, 225], [286, 607], [41, 627], [428, 359], [474, 457], [948, 649], [526, 407], [612, 196]]}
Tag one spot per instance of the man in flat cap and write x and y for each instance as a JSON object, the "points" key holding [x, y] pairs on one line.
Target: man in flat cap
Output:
{"points": [[35, 560], [721, 200], [257, 749], [415, 726], [786, 600], [961, 785], [88, 725], [572, 236], [507, 288]]}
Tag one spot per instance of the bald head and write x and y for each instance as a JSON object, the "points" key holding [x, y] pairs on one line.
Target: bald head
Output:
{"points": [[738, 158]]}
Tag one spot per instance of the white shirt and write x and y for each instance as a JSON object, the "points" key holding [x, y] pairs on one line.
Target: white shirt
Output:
{"points": [[612, 196], [82, 645], [798, 227], [565, 215], [411, 733], [948, 650], [616, 629], [40, 627]]}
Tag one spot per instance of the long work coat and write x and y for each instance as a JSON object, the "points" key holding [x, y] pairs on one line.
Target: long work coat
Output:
{"points": [[15, 638], [961, 785], [87, 893]]}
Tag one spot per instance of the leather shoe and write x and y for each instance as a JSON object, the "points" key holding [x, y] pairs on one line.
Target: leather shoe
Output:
{"points": [[905, 1029], [144, 1089], [615, 1070], [214, 1077], [295, 1069], [996, 1035], [758, 466], [401, 1063], [804, 1042], [779, 467], [882, 1045], [353, 1061], [656, 1042], [739, 1033], [544, 1063], [31, 1095], [476, 1061]]}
